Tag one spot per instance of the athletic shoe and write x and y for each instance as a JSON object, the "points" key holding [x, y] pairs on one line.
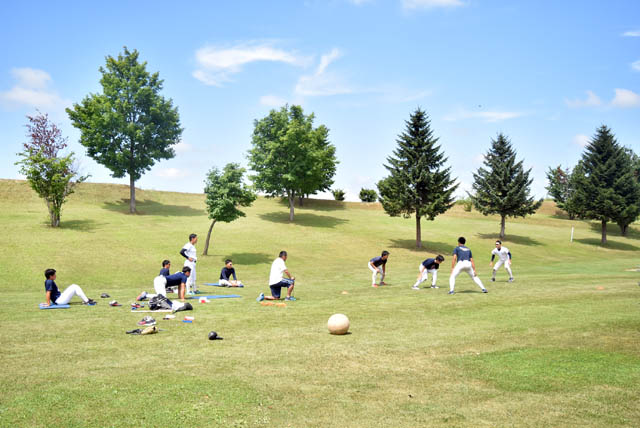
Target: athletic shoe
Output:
{"points": [[511, 279], [142, 296], [114, 303], [415, 288], [147, 321], [434, 286], [493, 280], [484, 290], [90, 302], [451, 292], [290, 298], [105, 296], [260, 297], [374, 285], [136, 306]]}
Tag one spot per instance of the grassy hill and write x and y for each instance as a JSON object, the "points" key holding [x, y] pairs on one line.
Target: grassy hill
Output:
{"points": [[559, 347]]}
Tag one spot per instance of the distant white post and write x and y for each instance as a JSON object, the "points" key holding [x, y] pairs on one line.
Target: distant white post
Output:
{"points": [[571, 233]]}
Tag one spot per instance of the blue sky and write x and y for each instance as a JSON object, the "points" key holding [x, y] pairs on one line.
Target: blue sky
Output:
{"points": [[545, 73]]}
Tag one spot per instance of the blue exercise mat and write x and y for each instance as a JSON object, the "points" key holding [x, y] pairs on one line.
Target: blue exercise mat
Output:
{"points": [[41, 306], [216, 296], [215, 284]]}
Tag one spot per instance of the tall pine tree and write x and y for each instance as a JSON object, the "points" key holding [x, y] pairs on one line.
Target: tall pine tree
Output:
{"points": [[607, 190], [503, 186], [418, 183]]}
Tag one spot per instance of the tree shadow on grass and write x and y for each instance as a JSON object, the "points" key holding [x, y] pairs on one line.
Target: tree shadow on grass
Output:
{"points": [[316, 204], [427, 246], [148, 207], [80, 225], [613, 245], [614, 230], [515, 239], [240, 259], [304, 219]]}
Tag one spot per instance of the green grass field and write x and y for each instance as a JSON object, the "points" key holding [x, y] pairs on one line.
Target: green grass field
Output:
{"points": [[559, 347]]}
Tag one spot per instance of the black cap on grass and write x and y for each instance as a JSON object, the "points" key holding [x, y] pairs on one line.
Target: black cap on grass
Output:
{"points": [[214, 336]]}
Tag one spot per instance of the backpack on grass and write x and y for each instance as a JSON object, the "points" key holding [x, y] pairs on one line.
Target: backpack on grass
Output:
{"points": [[160, 302]]}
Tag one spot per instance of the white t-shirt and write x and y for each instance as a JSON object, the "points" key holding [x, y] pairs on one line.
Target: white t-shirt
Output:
{"points": [[502, 253], [277, 270], [190, 251]]}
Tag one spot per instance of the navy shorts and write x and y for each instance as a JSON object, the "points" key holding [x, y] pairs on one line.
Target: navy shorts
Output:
{"points": [[275, 288]]}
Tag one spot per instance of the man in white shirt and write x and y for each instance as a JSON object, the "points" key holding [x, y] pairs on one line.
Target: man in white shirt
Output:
{"points": [[504, 257], [189, 253], [277, 280]]}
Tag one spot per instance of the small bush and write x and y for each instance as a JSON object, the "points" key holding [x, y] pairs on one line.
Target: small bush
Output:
{"points": [[368, 195], [467, 204], [338, 194]]}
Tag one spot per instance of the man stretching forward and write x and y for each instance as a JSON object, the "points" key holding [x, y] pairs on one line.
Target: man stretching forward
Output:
{"points": [[374, 266], [277, 280], [429, 266], [463, 261], [504, 256], [189, 253]]}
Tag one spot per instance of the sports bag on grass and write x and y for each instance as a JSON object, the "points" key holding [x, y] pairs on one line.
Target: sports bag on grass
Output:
{"points": [[159, 302]]}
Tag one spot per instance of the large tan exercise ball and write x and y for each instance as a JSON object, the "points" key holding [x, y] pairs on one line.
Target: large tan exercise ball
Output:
{"points": [[338, 324]]}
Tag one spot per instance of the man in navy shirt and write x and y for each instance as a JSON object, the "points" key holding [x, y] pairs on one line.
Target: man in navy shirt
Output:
{"points": [[226, 273], [378, 265], [54, 296], [463, 262], [160, 283], [166, 266], [429, 266]]}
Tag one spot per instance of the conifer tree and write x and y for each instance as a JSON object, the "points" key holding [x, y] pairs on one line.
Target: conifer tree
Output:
{"points": [[503, 186], [632, 211], [607, 189], [418, 182]]}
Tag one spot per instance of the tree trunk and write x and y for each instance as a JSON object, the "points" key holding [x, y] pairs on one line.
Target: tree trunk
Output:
{"points": [[206, 243], [132, 195], [624, 228], [502, 224], [604, 232], [418, 232], [292, 197]]}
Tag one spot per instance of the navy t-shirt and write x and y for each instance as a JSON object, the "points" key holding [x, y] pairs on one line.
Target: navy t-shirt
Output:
{"points": [[430, 264], [377, 261], [463, 253], [50, 285], [176, 279], [164, 272], [226, 273]]}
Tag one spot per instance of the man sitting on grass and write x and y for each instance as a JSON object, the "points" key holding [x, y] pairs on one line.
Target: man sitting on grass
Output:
{"points": [[54, 296], [226, 273], [277, 280]]}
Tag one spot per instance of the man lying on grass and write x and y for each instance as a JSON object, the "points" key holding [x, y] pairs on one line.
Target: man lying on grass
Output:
{"points": [[277, 280], [54, 296]]}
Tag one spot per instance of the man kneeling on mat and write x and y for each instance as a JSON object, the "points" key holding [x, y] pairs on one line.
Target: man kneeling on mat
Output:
{"points": [[226, 273], [160, 283], [277, 280], [54, 296]]}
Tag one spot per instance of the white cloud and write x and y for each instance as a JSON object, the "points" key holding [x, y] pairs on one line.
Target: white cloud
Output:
{"points": [[581, 140], [272, 101], [636, 65], [487, 116], [592, 101], [182, 147], [430, 4], [323, 83], [625, 99], [31, 89], [635, 33], [172, 173], [216, 65]]}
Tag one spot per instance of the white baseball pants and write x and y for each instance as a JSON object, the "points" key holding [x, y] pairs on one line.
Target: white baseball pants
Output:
{"points": [[463, 266], [69, 292], [376, 271]]}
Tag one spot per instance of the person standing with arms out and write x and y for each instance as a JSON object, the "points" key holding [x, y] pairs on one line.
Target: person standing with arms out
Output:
{"points": [[278, 281], [429, 266], [374, 266], [504, 257], [189, 253], [463, 262]]}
